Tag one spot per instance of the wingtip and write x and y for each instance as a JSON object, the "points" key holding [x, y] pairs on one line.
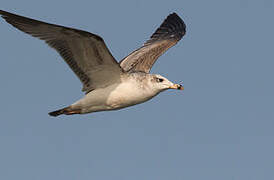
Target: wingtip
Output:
{"points": [[173, 27], [176, 19]]}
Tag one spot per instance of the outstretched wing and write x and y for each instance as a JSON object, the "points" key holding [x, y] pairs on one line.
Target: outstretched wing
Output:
{"points": [[85, 53], [167, 35]]}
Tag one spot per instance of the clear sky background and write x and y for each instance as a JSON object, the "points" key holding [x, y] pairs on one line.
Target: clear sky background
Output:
{"points": [[220, 127]]}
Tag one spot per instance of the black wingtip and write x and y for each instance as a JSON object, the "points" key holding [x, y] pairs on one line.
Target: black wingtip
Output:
{"points": [[173, 27]]}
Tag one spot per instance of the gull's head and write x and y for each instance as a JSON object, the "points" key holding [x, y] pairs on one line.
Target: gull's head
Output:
{"points": [[161, 83]]}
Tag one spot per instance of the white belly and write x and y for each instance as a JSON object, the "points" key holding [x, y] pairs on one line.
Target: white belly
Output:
{"points": [[113, 97]]}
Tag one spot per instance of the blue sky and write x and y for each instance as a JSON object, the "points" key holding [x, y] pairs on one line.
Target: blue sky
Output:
{"points": [[220, 127]]}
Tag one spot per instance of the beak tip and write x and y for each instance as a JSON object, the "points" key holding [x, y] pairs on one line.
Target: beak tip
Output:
{"points": [[177, 86]]}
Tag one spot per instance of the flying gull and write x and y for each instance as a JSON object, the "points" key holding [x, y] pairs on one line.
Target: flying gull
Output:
{"points": [[108, 85]]}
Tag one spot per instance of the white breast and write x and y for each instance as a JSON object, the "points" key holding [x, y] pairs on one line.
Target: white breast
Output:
{"points": [[127, 94], [115, 96]]}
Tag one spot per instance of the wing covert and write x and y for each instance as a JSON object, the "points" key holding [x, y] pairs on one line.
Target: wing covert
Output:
{"points": [[167, 35], [85, 53]]}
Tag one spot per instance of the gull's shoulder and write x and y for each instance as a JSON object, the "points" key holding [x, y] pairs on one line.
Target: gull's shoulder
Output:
{"points": [[136, 77]]}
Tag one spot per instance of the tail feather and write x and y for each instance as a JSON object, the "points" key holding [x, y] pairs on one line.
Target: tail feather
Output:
{"points": [[57, 112], [66, 111]]}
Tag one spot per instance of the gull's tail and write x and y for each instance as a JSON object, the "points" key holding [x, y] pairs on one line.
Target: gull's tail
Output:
{"points": [[67, 111]]}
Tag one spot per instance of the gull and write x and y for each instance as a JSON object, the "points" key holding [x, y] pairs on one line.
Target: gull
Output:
{"points": [[108, 84]]}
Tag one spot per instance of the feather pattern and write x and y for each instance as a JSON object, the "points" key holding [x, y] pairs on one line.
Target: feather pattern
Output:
{"points": [[167, 35], [85, 53]]}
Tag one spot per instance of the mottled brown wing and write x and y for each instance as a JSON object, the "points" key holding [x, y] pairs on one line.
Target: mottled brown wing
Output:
{"points": [[85, 53], [167, 35]]}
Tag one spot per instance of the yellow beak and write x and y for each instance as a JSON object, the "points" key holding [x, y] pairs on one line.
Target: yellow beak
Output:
{"points": [[177, 86]]}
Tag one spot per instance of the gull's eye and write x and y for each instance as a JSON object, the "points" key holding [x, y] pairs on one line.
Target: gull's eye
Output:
{"points": [[159, 80]]}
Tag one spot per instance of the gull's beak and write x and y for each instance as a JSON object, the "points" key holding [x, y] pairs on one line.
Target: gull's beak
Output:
{"points": [[177, 86]]}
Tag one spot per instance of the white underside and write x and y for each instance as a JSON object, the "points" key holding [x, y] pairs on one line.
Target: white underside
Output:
{"points": [[115, 96]]}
